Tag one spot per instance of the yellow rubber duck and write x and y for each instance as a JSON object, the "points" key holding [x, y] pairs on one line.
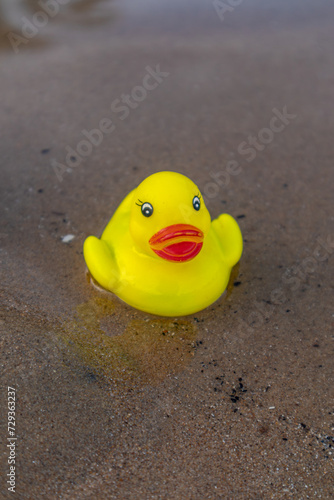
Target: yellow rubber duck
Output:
{"points": [[161, 253]]}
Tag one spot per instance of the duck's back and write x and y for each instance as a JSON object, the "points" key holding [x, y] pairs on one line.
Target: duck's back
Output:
{"points": [[118, 226]]}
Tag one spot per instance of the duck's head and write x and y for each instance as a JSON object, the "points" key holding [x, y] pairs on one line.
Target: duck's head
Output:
{"points": [[169, 219]]}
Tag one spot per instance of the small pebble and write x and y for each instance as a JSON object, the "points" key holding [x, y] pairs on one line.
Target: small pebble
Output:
{"points": [[67, 238]]}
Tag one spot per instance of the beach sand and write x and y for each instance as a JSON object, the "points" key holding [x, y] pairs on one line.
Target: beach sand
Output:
{"points": [[235, 402]]}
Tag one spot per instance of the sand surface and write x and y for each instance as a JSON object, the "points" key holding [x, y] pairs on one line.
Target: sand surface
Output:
{"points": [[235, 402]]}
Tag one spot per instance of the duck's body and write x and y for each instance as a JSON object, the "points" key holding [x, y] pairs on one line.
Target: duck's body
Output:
{"points": [[168, 285]]}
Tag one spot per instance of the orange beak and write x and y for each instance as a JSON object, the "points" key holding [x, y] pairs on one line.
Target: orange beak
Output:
{"points": [[178, 243]]}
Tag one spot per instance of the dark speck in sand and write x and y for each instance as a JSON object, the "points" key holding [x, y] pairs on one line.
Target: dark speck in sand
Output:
{"points": [[45, 151], [242, 216], [198, 320], [91, 376], [237, 283], [40, 190]]}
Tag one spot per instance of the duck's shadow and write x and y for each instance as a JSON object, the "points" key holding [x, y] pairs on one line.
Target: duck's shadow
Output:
{"points": [[147, 351]]}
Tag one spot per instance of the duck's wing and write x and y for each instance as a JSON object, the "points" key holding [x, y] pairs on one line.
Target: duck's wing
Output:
{"points": [[99, 253], [229, 235], [101, 262]]}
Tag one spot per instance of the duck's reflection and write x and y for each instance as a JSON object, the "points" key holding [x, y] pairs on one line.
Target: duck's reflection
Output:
{"points": [[146, 352]]}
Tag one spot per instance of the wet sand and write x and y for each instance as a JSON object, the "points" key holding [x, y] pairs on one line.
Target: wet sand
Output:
{"points": [[235, 402]]}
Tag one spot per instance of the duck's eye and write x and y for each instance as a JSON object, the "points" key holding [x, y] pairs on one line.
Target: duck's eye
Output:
{"points": [[147, 209], [196, 203]]}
